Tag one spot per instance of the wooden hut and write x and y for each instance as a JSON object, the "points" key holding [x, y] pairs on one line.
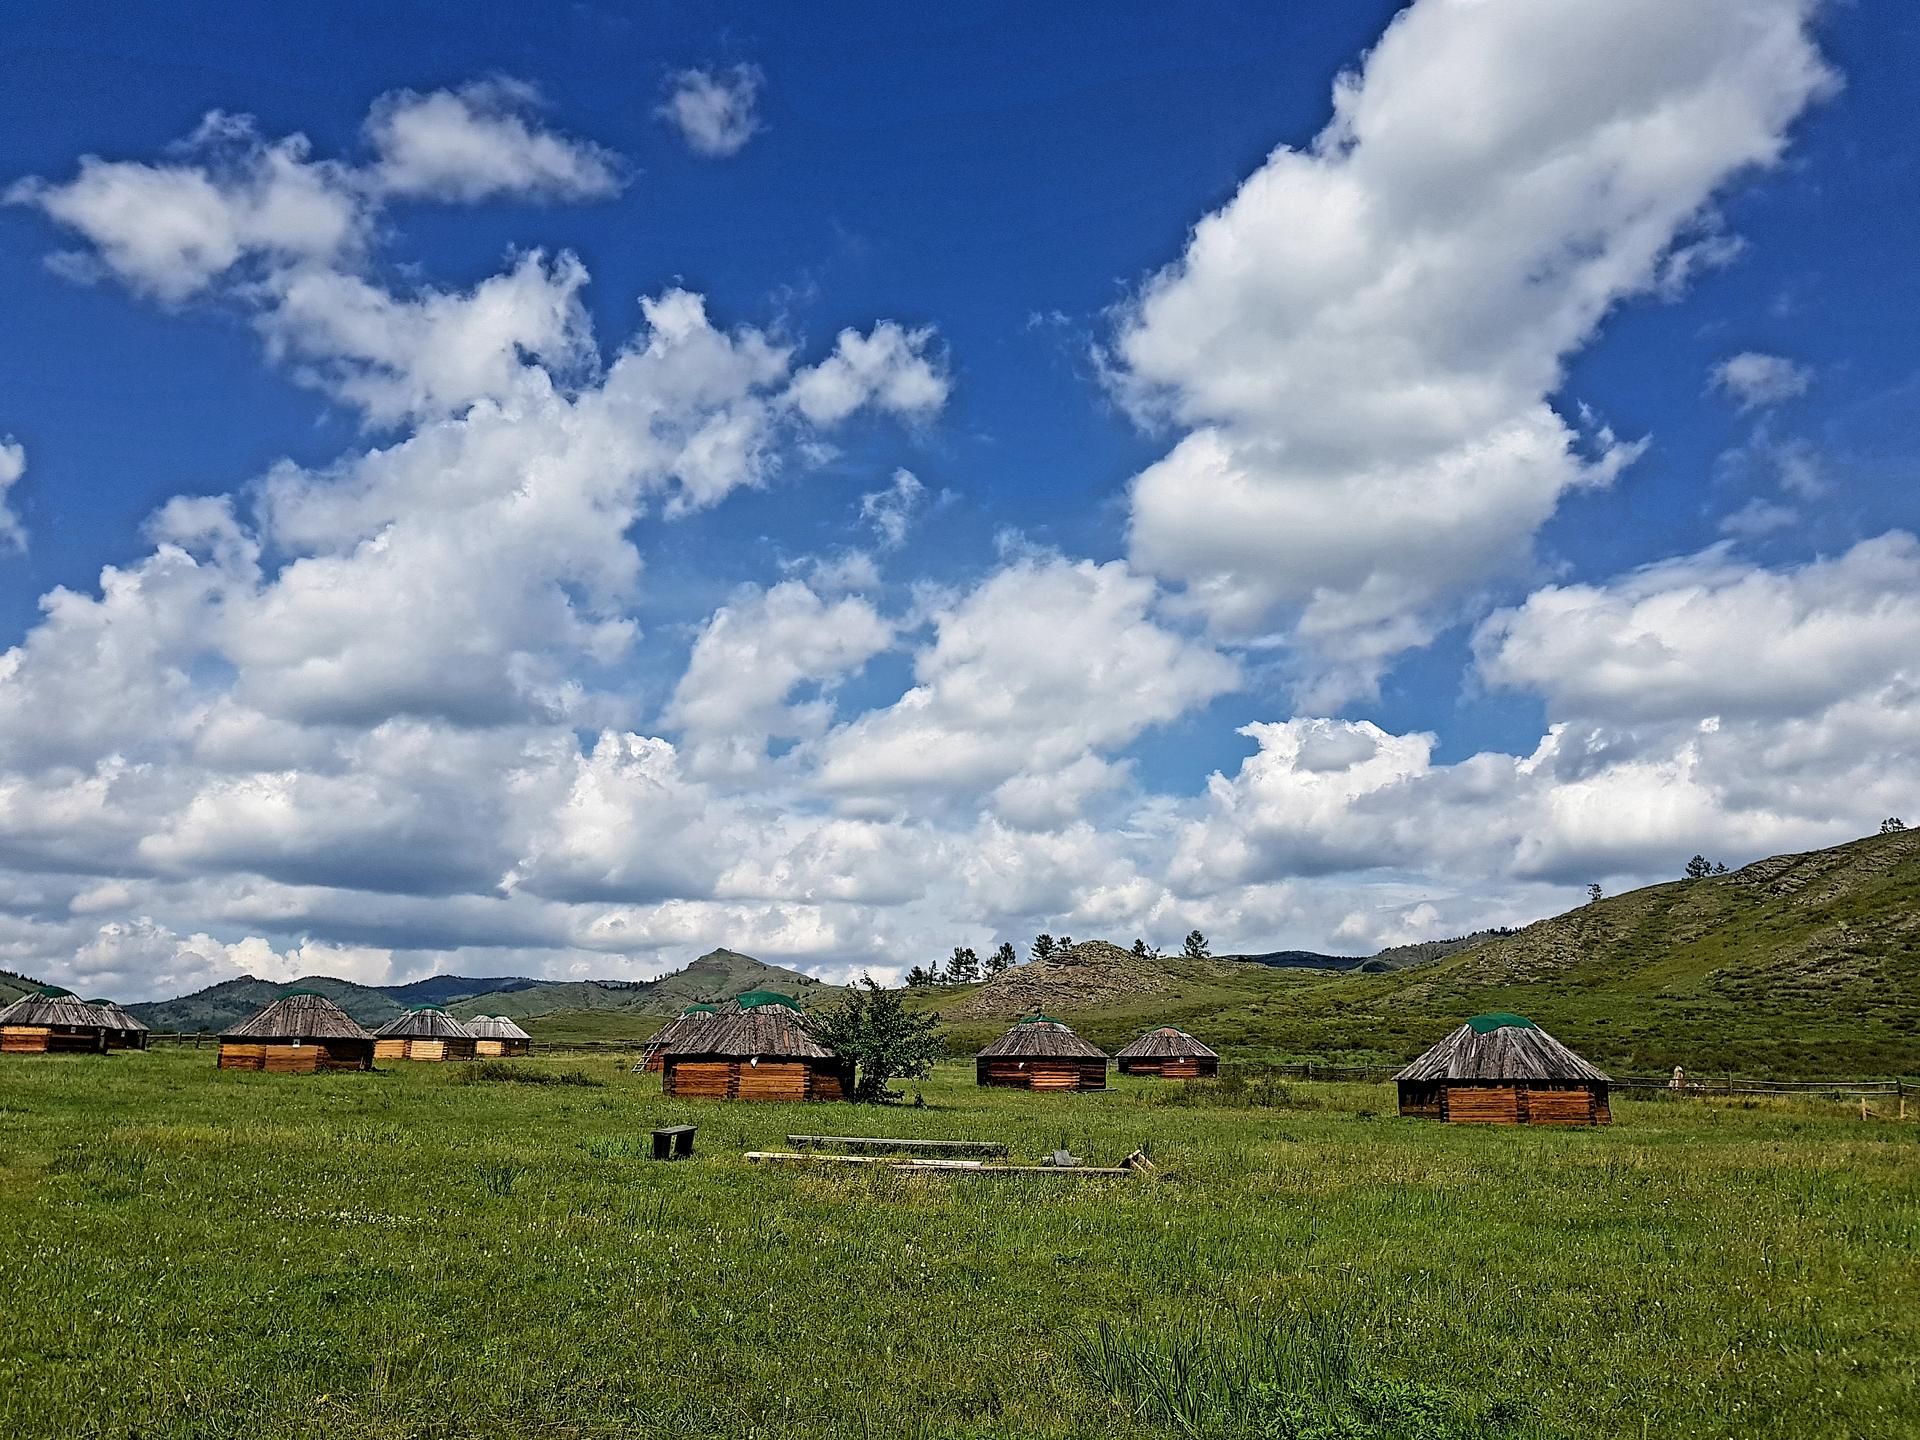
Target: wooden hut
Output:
{"points": [[52, 1021], [126, 1030], [1041, 1053], [1169, 1052], [497, 1035], [679, 1030], [1504, 1070], [757, 1048], [426, 1033], [297, 1034]]}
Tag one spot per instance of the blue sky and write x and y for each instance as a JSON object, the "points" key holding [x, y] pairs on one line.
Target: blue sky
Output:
{"points": [[1355, 500]]}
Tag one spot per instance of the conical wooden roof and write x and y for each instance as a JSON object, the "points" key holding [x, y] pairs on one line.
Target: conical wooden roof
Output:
{"points": [[1500, 1047], [1038, 1037], [758, 1023], [495, 1027], [686, 1025], [1165, 1042], [118, 1017], [429, 1022], [54, 1006], [299, 1015]]}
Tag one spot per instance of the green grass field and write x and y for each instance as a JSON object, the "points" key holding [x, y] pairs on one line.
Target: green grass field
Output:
{"points": [[191, 1253]]}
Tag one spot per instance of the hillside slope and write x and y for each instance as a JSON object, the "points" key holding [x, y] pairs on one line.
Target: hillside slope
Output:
{"points": [[13, 986], [1798, 964], [231, 1001]]}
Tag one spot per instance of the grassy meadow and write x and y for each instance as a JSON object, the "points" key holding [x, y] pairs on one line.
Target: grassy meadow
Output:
{"points": [[419, 1252]]}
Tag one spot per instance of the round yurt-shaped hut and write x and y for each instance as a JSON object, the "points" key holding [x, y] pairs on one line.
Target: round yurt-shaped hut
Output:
{"points": [[1504, 1070], [125, 1030], [678, 1031], [757, 1048], [497, 1035], [298, 1034], [425, 1033], [1041, 1053], [53, 1021], [1169, 1052]]}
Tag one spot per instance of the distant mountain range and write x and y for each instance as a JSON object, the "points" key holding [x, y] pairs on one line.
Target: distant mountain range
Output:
{"points": [[717, 975]]}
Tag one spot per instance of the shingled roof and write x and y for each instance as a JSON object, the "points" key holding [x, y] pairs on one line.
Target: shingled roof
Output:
{"points": [[54, 1006], [429, 1022], [1163, 1043], [1500, 1047], [118, 1017], [1038, 1037], [758, 1023], [299, 1015], [496, 1027]]}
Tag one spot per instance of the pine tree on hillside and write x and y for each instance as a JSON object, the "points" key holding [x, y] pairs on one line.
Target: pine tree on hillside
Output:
{"points": [[1042, 946], [1196, 946], [964, 967], [1002, 960]]}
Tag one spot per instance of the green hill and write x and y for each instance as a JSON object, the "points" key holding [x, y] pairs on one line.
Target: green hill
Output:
{"points": [[13, 986], [1798, 964], [717, 975], [231, 1001]]}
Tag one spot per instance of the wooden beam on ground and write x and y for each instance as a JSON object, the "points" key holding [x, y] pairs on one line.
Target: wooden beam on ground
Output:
{"points": [[953, 1167], [874, 1142]]}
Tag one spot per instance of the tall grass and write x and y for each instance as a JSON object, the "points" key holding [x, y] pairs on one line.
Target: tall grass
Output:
{"points": [[195, 1253]]}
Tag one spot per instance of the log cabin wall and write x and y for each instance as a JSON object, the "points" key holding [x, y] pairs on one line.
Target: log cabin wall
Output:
{"points": [[1042, 1073], [769, 1080]]}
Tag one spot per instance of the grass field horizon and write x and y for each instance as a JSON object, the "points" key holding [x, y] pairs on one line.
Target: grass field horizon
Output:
{"points": [[419, 1252]]}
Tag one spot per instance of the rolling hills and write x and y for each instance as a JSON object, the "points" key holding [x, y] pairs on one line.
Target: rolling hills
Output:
{"points": [[1797, 964], [717, 975]]}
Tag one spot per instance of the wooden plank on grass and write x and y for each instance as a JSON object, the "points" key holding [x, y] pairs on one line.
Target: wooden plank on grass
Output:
{"points": [[876, 1142], [950, 1167]]}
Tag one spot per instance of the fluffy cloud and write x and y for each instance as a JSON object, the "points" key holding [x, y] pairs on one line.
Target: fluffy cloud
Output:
{"points": [[751, 657], [714, 110], [478, 141], [13, 464], [1363, 344], [890, 511], [1710, 636], [171, 230], [1754, 381], [1044, 664], [888, 368]]}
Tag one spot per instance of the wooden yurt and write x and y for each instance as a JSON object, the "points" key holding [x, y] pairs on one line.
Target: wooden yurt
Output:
{"points": [[297, 1034], [756, 1048], [1504, 1070], [53, 1021], [1169, 1052], [125, 1030], [1041, 1053], [426, 1033], [497, 1035], [679, 1030]]}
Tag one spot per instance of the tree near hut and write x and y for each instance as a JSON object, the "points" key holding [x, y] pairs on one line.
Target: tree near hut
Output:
{"points": [[1196, 946], [872, 1028], [1003, 959], [964, 967], [1042, 947]]}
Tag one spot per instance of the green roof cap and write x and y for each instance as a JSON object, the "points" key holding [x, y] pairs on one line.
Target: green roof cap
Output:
{"points": [[1500, 1020], [754, 999]]}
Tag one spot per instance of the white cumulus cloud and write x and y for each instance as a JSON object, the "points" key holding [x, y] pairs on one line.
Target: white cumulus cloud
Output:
{"points": [[715, 110]]}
